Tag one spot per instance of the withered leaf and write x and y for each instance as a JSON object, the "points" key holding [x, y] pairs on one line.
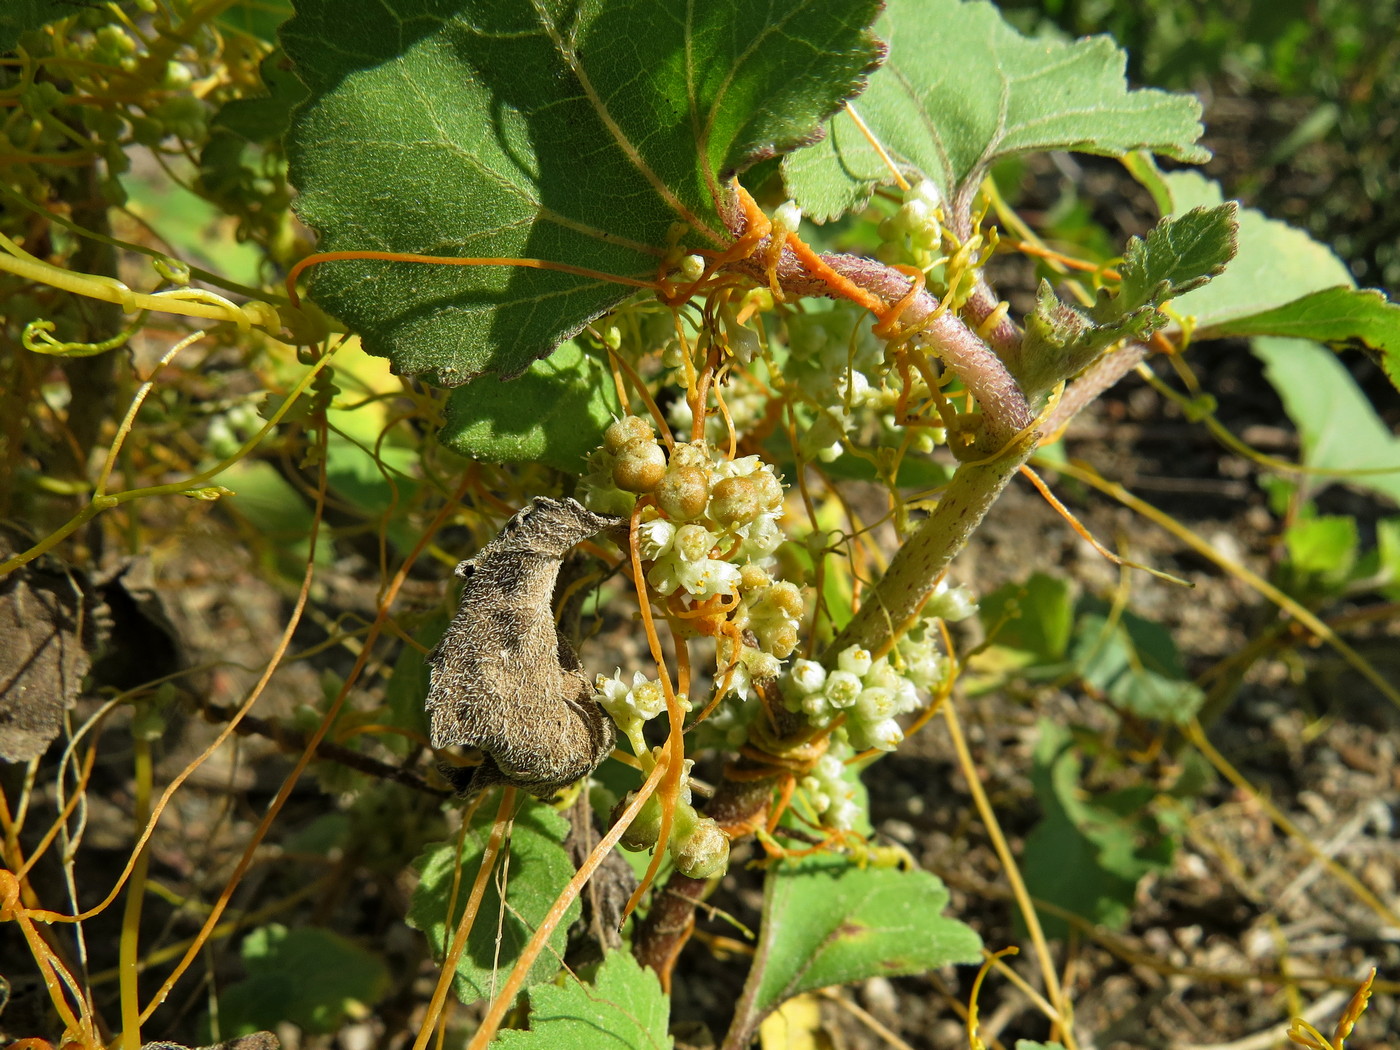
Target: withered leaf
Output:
{"points": [[504, 678], [46, 633]]}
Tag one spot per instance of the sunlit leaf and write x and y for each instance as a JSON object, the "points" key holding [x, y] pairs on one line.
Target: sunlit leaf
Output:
{"points": [[553, 414], [623, 1008], [962, 89], [1284, 283], [1338, 426], [569, 132], [538, 870], [1181, 253], [829, 921]]}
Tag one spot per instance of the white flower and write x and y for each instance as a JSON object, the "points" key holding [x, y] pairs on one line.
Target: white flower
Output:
{"points": [[807, 676], [692, 542], [884, 735], [875, 704], [855, 660], [843, 814], [842, 688], [655, 537], [829, 768], [707, 578], [952, 603]]}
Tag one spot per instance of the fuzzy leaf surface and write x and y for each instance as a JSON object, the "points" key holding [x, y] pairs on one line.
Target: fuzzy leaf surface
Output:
{"points": [[553, 414], [623, 1009], [576, 132], [539, 870], [1181, 253], [1284, 283], [962, 89], [828, 921]]}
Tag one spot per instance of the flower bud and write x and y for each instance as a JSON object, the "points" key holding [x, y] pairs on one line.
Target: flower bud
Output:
{"points": [[645, 829], [736, 501]]}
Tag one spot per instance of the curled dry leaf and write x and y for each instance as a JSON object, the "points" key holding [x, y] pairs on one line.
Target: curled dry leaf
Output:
{"points": [[504, 678], [46, 634]]}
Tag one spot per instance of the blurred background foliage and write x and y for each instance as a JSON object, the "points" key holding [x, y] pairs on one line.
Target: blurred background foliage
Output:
{"points": [[1302, 106]]}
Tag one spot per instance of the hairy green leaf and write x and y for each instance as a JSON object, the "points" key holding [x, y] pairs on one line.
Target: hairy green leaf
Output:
{"points": [[553, 414], [1343, 318], [623, 1008], [1180, 253], [962, 89], [829, 921], [538, 870], [1339, 429], [1284, 283], [1088, 852], [575, 132], [309, 976]]}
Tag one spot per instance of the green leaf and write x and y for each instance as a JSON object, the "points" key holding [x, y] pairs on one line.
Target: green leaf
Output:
{"points": [[574, 132], [1282, 282], [553, 414], [1387, 557], [20, 16], [309, 976], [1321, 555], [1088, 852], [962, 89], [539, 870], [1033, 618], [1339, 429], [1343, 318], [1135, 663], [1026, 1044], [828, 921], [623, 1008], [408, 685], [1180, 253]]}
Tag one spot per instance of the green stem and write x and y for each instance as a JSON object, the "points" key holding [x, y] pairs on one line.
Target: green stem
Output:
{"points": [[129, 948], [892, 606]]}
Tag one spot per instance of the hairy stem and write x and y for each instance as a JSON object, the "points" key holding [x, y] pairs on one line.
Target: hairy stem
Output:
{"points": [[1097, 378], [895, 602], [962, 351]]}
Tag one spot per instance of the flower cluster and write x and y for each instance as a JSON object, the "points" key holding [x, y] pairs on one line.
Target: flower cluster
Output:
{"points": [[708, 526], [872, 693], [630, 706], [831, 791], [838, 366], [914, 233]]}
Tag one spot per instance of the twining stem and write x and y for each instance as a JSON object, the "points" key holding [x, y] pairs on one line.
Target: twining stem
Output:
{"points": [[129, 949], [962, 351]]}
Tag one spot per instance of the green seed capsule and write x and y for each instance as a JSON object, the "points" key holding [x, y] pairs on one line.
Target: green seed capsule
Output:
{"points": [[703, 853]]}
